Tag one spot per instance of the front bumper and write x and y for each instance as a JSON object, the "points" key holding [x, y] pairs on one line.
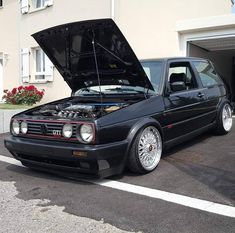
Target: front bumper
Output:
{"points": [[57, 157]]}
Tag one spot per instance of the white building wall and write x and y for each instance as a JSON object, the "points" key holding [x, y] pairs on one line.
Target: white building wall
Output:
{"points": [[9, 43], [149, 26]]}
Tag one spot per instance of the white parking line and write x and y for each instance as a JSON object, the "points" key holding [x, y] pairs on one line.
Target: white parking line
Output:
{"points": [[195, 203]]}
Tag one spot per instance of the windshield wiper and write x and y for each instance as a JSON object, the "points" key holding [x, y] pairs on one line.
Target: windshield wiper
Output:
{"points": [[90, 91], [119, 89]]}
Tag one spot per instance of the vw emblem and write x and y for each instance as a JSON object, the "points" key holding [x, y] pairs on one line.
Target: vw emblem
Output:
{"points": [[43, 128]]}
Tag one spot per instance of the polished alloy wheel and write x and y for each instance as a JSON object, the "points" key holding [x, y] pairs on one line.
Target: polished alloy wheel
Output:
{"points": [[150, 148], [227, 117]]}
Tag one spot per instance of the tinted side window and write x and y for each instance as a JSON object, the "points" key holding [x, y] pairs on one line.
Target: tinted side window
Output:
{"points": [[181, 71], [207, 74]]}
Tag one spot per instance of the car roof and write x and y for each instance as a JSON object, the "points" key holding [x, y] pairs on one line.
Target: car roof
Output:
{"points": [[172, 58]]}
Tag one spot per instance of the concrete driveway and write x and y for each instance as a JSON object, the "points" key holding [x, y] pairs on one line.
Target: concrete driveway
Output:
{"points": [[192, 190]]}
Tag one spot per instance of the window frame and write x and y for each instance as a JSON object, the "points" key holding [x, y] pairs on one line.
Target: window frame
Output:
{"points": [[42, 65], [168, 90], [33, 4], [161, 75], [30, 6]]}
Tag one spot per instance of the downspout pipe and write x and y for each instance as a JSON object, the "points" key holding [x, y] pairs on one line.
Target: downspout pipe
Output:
{"points": [[112, 9]]}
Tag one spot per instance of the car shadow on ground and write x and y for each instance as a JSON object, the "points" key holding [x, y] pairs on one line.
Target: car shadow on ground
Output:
{"points": [[188, 161], [221, 181]]}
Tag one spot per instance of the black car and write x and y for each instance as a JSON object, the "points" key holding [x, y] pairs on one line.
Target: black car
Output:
{"points": [[122, 112]]}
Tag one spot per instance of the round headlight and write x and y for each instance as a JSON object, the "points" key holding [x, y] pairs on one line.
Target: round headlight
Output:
{"points": [[67, 130], [15, 127], [86, 132], [24, 127]]}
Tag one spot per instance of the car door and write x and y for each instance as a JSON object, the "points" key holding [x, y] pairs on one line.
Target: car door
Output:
{"points": [[184, 109], [213, 86]]}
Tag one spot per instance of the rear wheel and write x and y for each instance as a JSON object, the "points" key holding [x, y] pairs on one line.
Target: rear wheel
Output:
{"points": [[146, 151], [225, 119]]}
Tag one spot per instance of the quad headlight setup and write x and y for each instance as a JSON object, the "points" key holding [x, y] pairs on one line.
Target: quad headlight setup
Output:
{"points": [[86, 132], [15, 127], [18, 127], [67, 131], [24, 127]]}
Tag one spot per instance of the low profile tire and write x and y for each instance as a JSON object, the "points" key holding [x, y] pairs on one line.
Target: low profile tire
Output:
{"points": [[224, 120], [146, 151]]}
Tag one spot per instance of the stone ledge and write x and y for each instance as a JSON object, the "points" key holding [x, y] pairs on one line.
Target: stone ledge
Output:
{"points": [[5, 117]]}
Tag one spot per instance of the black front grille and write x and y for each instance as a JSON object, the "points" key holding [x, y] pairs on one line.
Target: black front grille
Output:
{"points": [[49, 129]]}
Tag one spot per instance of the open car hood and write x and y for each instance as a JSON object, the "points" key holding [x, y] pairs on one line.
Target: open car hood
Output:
{"points": [[74, 47]]}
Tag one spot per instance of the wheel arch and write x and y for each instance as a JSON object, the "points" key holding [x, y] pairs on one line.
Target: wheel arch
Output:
{"points": [[220, 105], [136, 128]]}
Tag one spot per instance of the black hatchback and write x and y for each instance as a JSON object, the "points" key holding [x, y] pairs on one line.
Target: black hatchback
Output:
{"points": [[122, 112]]}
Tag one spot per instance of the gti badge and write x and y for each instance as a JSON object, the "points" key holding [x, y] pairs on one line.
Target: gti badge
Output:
{"points": [[56, 132]]}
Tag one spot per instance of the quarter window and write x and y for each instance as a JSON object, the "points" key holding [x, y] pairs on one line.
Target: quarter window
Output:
{"points": [[207, 74]]}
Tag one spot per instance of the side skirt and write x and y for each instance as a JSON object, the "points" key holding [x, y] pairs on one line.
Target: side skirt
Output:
{"points": [[188, 136]]}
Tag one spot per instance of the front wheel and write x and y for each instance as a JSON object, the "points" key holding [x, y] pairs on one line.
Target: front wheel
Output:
{"points": [[146, 151], [225, 119]]}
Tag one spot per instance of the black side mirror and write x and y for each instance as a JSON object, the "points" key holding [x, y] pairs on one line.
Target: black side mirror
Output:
{"points": [[178, 86]]}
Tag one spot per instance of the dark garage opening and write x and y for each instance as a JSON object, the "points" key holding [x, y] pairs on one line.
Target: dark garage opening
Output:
{"points": [[221, 51]]}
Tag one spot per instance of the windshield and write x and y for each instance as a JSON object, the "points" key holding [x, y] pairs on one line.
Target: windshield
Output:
{"points": [[153, 70], [112, 89]]}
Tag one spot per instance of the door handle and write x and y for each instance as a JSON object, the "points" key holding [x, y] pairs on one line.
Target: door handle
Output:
{"points": [[200, 95]]}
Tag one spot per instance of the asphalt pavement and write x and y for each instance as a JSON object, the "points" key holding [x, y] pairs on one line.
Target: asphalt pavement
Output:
{"points": [[202, 169]]}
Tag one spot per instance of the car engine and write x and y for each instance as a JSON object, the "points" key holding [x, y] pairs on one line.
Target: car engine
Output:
{"points": [[78, 111]]}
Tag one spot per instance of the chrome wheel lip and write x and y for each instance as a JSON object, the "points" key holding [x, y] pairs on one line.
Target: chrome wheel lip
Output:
{"points": [[149, 148], [227, 118]]}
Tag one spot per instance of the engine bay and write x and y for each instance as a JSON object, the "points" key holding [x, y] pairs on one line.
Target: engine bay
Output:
{"points": [[73, 110]]}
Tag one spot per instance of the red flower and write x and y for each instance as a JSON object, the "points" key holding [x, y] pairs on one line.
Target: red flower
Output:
{"points": [[14, 90], [20, 88], [23, 95], [30, 88]]}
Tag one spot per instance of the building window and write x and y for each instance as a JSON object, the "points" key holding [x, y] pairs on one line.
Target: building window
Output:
{"points": [[41, 3], [36, 66], [43, 68], [28, 6], [39, 64], [38, 3]]}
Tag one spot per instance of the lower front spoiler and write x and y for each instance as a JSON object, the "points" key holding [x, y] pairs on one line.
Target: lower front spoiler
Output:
{"points": [[58, 157]]}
